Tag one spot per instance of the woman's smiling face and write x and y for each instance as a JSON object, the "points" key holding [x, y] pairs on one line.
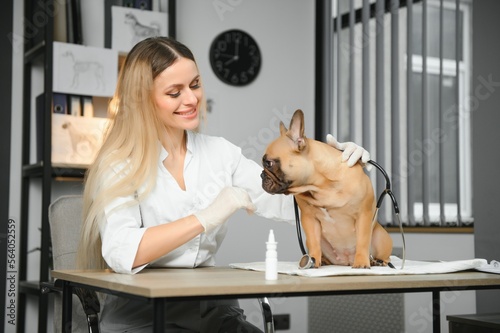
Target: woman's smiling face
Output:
{"points": [[178, 94]]}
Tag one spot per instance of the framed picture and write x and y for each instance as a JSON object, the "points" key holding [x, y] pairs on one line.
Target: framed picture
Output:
{"points": [[76, 140], [84, 70], [164, 6], [131, 25]]}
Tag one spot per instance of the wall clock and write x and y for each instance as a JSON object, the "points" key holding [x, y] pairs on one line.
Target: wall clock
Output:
{"points": [[235, 57]]}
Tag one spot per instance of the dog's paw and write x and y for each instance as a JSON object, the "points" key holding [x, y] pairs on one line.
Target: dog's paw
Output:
{"points": [[361, 264], [317, 257], [378, 262]]}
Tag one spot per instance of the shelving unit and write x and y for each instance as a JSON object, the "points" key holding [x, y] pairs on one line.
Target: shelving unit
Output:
{"points": [[36, 51], [39, 53]]}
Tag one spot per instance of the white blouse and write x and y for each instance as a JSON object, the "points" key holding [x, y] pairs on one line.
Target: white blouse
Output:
{"points": [[211, 164]]}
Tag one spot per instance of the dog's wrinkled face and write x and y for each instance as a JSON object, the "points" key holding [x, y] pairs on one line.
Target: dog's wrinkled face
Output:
{"points": [[273, 179], [285, 161]]}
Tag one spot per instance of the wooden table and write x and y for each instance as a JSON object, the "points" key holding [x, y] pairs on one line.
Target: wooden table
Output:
{"points": [[158, 285]]}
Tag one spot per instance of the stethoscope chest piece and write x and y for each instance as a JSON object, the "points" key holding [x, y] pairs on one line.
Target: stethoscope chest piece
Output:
{"points": [[306, 262]]}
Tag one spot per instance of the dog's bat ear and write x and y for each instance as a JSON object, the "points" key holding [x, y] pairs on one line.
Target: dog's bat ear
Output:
{"points": [[296, 132], [283, 129]]}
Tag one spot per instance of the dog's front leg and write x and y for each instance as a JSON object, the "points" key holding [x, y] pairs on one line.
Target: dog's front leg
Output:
{"points": [[312, 231], [363, 239]]}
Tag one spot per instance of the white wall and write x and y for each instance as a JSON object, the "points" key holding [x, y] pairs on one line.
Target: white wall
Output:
{"points": [[249, 116]]}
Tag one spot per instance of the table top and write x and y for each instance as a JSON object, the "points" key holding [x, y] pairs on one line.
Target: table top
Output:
{"points": [[225, 281]]}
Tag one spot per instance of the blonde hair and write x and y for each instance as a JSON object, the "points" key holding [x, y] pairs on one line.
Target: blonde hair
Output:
{"points": [[131, 146]]}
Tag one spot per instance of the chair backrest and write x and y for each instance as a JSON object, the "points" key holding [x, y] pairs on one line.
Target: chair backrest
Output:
{"points": [[65, 218]]}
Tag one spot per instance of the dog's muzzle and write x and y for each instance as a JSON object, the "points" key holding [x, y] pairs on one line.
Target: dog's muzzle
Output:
{"points": [[272, 184]]}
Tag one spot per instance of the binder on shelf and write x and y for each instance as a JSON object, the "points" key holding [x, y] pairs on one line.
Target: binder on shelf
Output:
{"points": [[60, 24], [39, 105], [143, 4], [60, 103], [87, 106], [75, 105], [129, 3], [139, 4]]}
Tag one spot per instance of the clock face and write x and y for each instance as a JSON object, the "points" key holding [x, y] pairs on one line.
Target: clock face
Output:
{"points": [[235, 57]]}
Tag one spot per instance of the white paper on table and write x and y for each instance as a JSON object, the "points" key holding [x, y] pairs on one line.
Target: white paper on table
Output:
{"points": [[410, 267]]}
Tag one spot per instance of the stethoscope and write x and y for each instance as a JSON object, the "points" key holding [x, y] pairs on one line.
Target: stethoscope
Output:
{"points": [[308, 262]]}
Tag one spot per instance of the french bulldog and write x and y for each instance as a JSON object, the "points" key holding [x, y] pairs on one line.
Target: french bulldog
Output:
{"points": [[337, 202]]}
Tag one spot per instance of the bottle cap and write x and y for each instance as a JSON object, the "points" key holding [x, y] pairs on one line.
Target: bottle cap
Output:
{"points": [[271, 238]]}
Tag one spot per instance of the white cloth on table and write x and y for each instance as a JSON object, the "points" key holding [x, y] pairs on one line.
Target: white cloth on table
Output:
{"points": [[410, 267]]}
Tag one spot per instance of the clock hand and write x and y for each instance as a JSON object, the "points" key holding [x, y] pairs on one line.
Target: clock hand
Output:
{"points": [[237, 48], [225, 55], [231, 60], [236, 53]]}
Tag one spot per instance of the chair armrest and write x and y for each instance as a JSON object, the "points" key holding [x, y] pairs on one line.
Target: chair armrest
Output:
{"points": [[89, 300], [49, 287], [267, 315]]}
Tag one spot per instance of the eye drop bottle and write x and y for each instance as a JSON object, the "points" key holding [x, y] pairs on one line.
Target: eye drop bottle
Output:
{"points": [[271, 257]]}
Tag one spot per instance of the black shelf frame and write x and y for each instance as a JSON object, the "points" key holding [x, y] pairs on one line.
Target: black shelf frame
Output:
{"points": [[37, 170], [38, 51]]}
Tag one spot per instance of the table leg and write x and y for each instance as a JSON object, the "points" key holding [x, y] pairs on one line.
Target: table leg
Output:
{"points": [[158, 315], [67, 307], [436, 312]]}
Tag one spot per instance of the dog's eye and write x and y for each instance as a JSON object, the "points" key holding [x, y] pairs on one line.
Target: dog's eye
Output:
{"points": [[269, 163]]}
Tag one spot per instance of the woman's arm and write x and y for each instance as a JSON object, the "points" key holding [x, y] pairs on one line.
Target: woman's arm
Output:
{"points": [[162, 239]]}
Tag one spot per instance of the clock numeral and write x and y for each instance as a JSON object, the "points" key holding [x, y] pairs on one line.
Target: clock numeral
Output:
{"points": [[244, 77], [233, 37], [252, 49], [235, 79], [221, 46], [255, 60], [251, 71], [219, 66]]}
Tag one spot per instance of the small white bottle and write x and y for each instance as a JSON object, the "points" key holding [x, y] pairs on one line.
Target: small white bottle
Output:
{"points": [[271, 257]]}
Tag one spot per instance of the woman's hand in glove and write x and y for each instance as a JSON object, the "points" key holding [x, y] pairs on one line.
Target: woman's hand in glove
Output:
{"points": [[229, 200], [352, 153]]}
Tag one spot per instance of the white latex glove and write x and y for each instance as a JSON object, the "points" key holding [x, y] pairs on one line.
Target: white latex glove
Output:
{"points": [[352, 152], [229, 200]]}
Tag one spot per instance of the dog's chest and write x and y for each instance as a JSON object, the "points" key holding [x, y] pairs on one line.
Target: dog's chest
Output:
{"points": [[330, 220], [336, 227]]}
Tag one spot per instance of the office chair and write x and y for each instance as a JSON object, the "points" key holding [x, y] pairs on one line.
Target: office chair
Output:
{"points": [[65, 217]]}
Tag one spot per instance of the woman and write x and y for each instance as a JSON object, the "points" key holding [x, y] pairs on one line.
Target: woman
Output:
{"points": [[158, 193]]}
